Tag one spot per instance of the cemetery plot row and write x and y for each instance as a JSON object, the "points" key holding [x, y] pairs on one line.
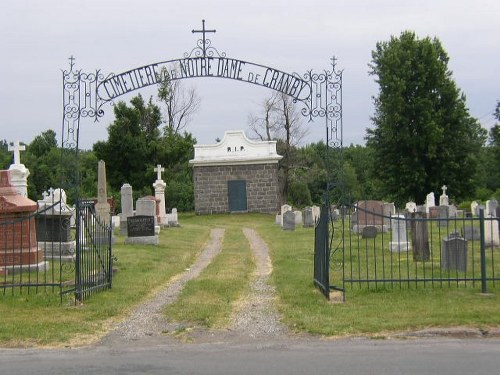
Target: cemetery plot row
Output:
{"points": [[412, 251]]}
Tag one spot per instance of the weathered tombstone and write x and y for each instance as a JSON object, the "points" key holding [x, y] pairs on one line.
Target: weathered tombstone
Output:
{"points": [[370, 213], [369, 231], [307, 216], [433, 212], [335, 214], [141, 230], [411, 207], [430, 201], [491, 208], [159, 187], [474, 208], [127, 207], [399, 237], [420, 237], [102, 207], [277, 219], [284, 209], [173, 218], [289, 220], [316, 210], [18, 171], [18, 245], [443, 215], [491, 235], [53, 226], [443, 199], [454, 253], [471, 233], [454, 211], [298, 217]]}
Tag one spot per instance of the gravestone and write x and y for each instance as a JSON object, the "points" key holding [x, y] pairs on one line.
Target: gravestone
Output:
{"points": [[146, 206], [173, 218], [102, 207], [430, 201], [454, 253], [277, 219], [18, 172], [491, 235], [316, 210], [127, 202], [298, 217], [18, 245], [369, 231], [474, 208], [433, 212], [284, 209], [411, 207], [141, 230], [307, 216], [443, 199], [491, 208], [289, 220], [53, 226], [369, 213], [471, 233], [159, 187], [399, 237], [443, 215], [420, 237]]}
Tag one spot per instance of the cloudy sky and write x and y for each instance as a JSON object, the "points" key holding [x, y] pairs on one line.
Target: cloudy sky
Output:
{"points": [[37, 38]]}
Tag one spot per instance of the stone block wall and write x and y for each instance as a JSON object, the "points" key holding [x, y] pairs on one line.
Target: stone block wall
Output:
{"points": [[211, 194]]}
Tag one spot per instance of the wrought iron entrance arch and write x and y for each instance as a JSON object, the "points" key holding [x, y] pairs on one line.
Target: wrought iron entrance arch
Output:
{"points": [[320, 94], [85, 94]]}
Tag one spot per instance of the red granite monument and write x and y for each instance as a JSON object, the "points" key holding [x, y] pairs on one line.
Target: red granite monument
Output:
{"points": [[18, 245]]}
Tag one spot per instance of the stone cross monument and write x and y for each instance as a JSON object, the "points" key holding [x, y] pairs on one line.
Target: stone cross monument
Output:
{"points": [[159, 187], [18, 172], [443, 199]]}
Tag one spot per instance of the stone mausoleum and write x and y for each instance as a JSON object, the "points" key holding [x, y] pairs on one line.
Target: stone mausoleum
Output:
{"points": [[236, 175]]}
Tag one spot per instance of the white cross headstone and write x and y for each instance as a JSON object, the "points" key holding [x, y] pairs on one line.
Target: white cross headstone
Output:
{"points": [[159, 169], [17, 148]]}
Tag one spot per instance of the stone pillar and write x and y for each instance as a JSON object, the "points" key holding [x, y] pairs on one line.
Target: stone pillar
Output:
{"points": [[127, 204], [102, 207]]}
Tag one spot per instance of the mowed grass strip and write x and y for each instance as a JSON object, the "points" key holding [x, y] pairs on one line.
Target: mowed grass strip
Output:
{"points": [[29, 320], [209, 300], [372, 312]]}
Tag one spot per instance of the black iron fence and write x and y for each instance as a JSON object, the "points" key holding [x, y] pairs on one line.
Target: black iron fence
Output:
{"points": [[415, 249], [55, 250]]}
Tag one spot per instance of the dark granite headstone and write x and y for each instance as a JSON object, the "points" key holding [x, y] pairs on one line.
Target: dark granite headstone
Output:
{"points": [[53, 228], [307, 216], [369, 231], [140, 226], [454, 253], [420, 237], [289, 220]]}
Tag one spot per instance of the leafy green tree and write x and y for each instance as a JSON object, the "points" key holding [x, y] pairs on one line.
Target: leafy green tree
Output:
{"points": [[424, 136], [5, 155], [131, 151]]}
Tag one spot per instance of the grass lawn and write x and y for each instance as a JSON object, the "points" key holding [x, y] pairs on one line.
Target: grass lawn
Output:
{"points": [[211, 299]]}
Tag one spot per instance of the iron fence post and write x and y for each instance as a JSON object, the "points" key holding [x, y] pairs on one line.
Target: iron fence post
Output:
{"points": [[484, 288]]}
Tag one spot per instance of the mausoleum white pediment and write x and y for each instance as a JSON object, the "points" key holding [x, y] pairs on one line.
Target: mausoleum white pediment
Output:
{"points": [[236, 148]]}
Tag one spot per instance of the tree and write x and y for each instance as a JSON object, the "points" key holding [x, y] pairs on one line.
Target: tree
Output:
{"points": [[181, 104], [424, 136], [131, 150], [281, 121]]}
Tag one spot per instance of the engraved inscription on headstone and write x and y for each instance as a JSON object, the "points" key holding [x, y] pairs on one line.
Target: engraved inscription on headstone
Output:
{"points": [[140, 226]]}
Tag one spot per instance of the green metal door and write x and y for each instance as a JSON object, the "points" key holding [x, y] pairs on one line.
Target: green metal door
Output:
{"points": [[237, 195]]}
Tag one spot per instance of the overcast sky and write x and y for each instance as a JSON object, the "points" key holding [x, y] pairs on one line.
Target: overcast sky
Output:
{"points": [[37, 38]]}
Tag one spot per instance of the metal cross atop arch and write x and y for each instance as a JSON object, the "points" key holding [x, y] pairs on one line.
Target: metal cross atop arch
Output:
{"points": [[204, 40]]}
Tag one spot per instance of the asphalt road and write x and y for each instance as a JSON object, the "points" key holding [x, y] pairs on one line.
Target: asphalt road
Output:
{"points": [[346, 356]]}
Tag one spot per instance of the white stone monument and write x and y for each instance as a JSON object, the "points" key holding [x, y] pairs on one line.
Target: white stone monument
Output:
{"points": [[399, 236], [102, 207], [18, 172], [430, 201], [127, 202], [159, 187], [443, 199], [411, 207], [474, 208]]}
